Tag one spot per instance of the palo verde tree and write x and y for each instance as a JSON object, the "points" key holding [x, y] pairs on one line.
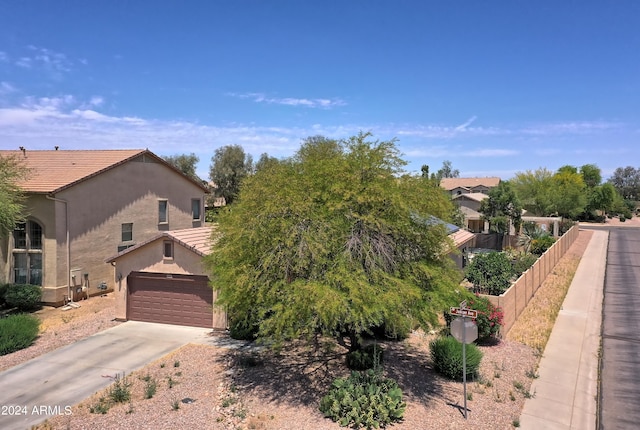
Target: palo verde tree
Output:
{"points": [[11, 196], [335, 240]]}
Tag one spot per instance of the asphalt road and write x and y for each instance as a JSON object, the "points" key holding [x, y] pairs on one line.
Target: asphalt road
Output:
{"points": [[619, 393]]}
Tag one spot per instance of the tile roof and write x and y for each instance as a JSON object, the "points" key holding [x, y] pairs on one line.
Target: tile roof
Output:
{"points": [[460, 237], [478, 197], [196, 239], [53, 171], [50, 171], [451, 183]]}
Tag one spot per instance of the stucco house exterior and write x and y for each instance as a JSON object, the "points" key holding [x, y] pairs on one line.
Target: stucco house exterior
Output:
{"points": [[457, 186], [469, 204], [163, 280], [84, 206]]}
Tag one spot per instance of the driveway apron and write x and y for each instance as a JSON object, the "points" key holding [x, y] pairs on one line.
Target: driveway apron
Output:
{"points": [[50, 384]]}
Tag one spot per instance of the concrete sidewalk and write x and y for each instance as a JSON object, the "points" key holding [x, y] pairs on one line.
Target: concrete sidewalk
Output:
{"points": [[566, 391]]}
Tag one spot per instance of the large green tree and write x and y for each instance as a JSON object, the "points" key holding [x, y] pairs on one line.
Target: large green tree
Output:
{"points": [[229, 166], [502, 208], [568, 192], [186, 163], [534, 190], [626, 181], [11, 196], [335, 240]]}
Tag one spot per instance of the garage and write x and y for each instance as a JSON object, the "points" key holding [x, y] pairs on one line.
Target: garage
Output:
{"points": [[170, 299]]}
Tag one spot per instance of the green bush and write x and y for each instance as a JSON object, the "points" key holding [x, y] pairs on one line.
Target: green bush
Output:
{"points": [[541, 244], [489, 320], [25, 297], [522, 262], [17, 332], [490, 273], [369, 357], [622, 218], [3, 290], [243, 328], [446, 353], [364, 399]]}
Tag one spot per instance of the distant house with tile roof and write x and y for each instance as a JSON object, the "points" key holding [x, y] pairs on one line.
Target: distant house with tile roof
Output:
{"points": [[84, 206], [457, 186]]}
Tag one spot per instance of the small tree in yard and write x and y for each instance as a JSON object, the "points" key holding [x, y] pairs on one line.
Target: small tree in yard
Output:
{"points": [[490, 273], [335, 240], [502, 208]]}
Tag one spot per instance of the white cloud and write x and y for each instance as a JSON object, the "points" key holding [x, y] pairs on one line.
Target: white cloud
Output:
{"points": [[4, 57], [24, 62], [291, 101], [6, 88], [572, 127], [490, 152], [466, 124], [54, 63]]}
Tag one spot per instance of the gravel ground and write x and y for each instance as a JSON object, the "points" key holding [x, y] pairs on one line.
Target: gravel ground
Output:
{"points": [[233, 389], [254, 390]]}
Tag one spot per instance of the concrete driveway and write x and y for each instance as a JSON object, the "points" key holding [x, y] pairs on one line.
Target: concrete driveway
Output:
{"points": [[48, 385]]}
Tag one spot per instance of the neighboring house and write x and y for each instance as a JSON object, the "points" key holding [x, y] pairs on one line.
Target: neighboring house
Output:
{"points": [[469, 205], [83, 206], [163, 280], [457, 186]]}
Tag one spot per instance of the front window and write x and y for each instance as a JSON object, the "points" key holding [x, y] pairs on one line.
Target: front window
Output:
{"points": [[162, 211], [27, 253], [195, 209]]}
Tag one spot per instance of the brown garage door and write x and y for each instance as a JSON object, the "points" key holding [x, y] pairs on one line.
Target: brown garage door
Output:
{"points": [[170, 299]]}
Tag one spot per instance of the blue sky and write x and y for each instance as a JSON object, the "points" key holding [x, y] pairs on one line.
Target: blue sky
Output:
{"points": [[496, 87]]}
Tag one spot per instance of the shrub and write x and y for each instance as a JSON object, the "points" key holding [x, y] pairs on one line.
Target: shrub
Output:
{"points": [[490, 273], [25, 297], [566, 224], [364, 399], [622, 218], [446, 353], [369, 357], [490, 318], [541, 244], [242, 328], [120, 391], [3, 290], [522, 262], [17, 332]]}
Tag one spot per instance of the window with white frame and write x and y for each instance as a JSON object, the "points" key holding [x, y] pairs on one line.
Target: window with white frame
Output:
{"points": [[163, 211], [27, 253], [196, 212]]}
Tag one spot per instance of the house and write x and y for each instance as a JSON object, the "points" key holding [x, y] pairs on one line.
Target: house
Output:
{"points": [[163, 280], [83, 206], [457, 186], [469, 204]]}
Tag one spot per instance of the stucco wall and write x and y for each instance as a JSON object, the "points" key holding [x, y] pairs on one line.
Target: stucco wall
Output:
{"points": [[515, 299], [149, 258], [126, 194], [97, 208]]}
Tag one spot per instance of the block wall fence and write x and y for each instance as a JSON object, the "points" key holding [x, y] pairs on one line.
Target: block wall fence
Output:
{"points": [[515, 299]]}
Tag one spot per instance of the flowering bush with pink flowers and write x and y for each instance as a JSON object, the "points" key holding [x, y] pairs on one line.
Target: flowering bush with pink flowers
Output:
{"points": [[490, 318]]}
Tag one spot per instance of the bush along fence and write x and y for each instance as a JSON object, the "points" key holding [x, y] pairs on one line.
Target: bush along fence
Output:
{"points": [[515, 299]]}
